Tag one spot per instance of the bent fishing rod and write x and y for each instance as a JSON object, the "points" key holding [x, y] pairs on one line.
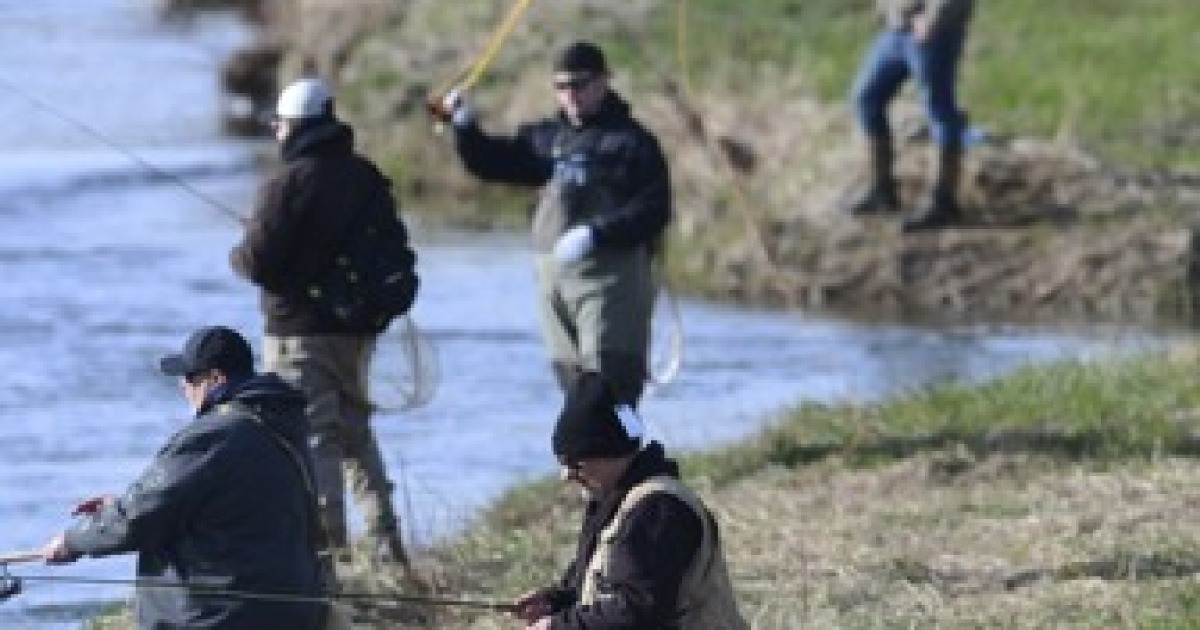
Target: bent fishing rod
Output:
{"points": [[12, 585]]}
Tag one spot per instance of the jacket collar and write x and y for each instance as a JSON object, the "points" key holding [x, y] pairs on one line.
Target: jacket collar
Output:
{"points": [[316, 136]]}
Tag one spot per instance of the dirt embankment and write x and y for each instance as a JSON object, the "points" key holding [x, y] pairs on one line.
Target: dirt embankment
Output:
{"points": [[1053, 233]]}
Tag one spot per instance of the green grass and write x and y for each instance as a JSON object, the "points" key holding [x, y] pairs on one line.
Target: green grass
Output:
{"points": [[1119, 77], [1135, 408]]}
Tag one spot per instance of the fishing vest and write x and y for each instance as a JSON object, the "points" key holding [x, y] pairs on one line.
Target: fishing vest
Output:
{"points": [[590, 171], [705, 600]]}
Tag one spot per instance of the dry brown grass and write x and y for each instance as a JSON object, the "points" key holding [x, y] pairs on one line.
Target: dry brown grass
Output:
{"points": [[944, 541], [939, 540]]}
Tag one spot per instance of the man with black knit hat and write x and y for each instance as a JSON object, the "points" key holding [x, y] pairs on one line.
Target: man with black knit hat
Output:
{"points": [[649, 554], [604, 205], [325, 200], [225, 505]]}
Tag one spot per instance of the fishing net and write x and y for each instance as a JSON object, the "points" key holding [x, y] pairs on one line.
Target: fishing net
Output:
{"points": [[404, 372], [666, 340]]}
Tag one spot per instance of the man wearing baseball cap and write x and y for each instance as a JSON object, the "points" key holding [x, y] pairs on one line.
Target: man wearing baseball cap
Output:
{"points": [[649, 555], [227, 504], [604, 205]]}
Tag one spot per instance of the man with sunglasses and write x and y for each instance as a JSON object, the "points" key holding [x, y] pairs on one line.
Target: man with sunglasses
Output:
{"points": [[604, 205], [649, 553], [226, 505]]}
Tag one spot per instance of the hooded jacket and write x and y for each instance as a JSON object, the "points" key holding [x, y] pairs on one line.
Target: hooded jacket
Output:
{"points": [[304, 217], [224, 506], [626, 196]]}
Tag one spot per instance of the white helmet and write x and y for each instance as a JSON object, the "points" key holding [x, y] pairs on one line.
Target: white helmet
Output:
{"points": [[305, 98]]}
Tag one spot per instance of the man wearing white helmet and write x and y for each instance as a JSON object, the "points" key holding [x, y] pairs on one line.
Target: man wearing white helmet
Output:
{"points": [[319, 205]]}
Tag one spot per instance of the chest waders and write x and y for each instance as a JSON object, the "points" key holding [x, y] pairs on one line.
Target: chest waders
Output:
{"points": [[596, 312]]}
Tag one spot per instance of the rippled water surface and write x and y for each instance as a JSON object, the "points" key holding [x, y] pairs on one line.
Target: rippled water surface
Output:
{"points": [[107, 267]]}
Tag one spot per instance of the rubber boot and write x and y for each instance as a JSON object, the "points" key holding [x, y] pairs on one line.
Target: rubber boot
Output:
{"points": [[940, 207], [880, 196]]}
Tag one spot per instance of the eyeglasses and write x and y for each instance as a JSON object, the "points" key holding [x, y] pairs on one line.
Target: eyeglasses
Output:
{"points": [[571, 464], [573, 83]]}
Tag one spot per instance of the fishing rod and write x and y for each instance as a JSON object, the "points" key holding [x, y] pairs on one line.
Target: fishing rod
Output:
{"points": [[154, 169], [467, 78], [418, 350], [11, 585]]}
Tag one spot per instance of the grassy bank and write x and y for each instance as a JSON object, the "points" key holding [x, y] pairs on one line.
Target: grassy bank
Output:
{"points": [[1092, 146], [1117, 77], [1059, 496]]}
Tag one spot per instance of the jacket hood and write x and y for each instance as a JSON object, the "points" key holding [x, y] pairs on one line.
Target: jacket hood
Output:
{"points": [[651, 461], [275, 402], [317, 136]]}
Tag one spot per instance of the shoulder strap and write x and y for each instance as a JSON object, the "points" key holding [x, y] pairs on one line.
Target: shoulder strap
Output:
{"points": [[310, 487]]}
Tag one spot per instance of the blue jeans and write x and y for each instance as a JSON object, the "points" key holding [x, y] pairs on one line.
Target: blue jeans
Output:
{"points": [[892, 59]]}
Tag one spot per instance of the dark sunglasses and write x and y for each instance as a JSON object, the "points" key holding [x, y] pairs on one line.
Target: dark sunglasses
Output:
{"points": [[570, 464], [194, 378], [573, 83]]}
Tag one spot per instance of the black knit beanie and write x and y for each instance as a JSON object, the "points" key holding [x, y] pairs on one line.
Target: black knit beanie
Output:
{"points": [[593, 425]]}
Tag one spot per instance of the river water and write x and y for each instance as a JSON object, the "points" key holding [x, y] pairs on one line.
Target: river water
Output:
{"points": [[107, 266]]}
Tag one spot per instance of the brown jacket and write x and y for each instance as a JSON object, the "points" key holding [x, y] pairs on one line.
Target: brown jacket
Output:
{"points": [[898, 14]]}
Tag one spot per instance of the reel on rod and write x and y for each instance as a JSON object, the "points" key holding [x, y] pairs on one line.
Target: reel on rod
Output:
{"points": [[10, 585]]}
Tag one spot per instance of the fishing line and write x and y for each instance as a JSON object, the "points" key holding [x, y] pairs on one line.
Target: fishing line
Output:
{"points": [[419, 351], [296, 598], [154, 169]]}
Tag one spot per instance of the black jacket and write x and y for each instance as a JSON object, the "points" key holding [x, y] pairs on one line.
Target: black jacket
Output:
{"points": [[527, 158], [305, 214], [664, 534], [223, 506]]}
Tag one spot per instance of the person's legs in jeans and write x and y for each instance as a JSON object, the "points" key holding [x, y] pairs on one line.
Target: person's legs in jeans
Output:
{"points": [[880, 77], [934, 63]]}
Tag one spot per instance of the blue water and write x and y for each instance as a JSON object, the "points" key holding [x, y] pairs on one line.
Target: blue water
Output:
{"points": [[107, 267]]}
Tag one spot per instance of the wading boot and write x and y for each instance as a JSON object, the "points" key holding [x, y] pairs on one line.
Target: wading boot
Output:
{"points": [[880, 196], [940, 208]]}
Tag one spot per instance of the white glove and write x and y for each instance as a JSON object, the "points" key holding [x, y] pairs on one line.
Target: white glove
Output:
{"points": [[574, 244], [455, 104]]}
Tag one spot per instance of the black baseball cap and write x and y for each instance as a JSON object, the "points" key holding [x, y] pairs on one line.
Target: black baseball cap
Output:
{"points": [[211, 348], [581, 57]]}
